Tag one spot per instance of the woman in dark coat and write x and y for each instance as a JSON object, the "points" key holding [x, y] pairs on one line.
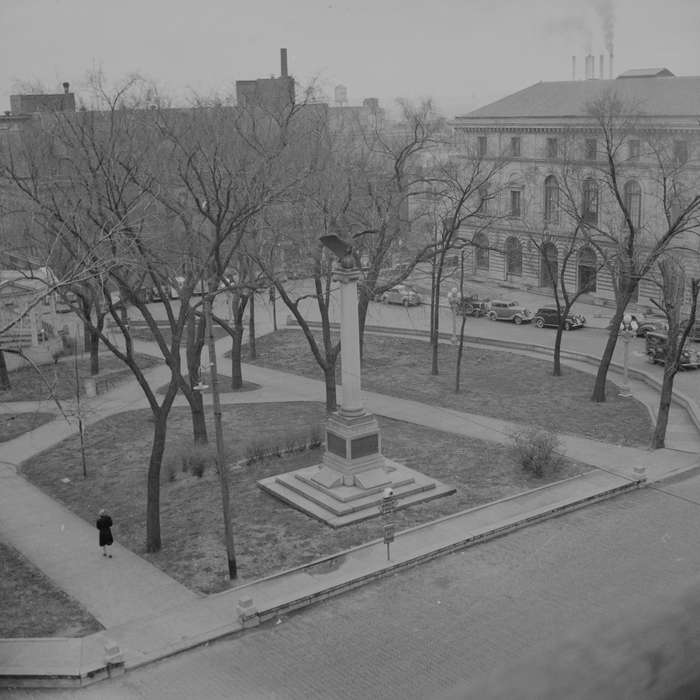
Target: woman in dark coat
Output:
{"points": [[104, 525]]}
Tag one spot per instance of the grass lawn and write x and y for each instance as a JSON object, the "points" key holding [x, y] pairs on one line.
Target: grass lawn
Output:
{"points": [[59, 379], [494, 383], [12, 425], [31, 606], [141, 331], [270, 536]]}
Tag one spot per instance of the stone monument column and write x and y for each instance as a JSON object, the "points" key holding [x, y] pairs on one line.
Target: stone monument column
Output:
{"points": [[351, 403]]}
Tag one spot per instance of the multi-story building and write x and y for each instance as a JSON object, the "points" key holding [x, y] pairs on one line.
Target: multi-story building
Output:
{"points": [[556, 173]]}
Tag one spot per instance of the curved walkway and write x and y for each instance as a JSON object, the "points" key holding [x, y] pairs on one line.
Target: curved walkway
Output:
{"points": [[148, 615]]}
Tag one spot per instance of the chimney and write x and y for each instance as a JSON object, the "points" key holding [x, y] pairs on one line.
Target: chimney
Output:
{"points": [[590, 67], [602, 73], [573, 67], [611, 66], [65, 88], [283, 60]]}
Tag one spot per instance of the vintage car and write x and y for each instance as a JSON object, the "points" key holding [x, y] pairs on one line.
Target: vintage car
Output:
{"points": [[509, 310], [656, 344], [402, 294], [549, 316], [473, 305]]}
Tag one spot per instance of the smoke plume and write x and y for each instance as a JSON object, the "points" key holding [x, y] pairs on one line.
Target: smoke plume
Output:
{"points": [[606, 12]]}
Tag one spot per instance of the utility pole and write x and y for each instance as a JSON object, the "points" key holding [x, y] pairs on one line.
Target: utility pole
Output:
{"points": [[220, 459]]}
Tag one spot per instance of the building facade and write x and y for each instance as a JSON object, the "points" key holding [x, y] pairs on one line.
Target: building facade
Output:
{"points": [[563, 158]]}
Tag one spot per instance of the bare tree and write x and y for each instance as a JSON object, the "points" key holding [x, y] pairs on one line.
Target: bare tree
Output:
{"points": [[603, 192], [672, 283]]}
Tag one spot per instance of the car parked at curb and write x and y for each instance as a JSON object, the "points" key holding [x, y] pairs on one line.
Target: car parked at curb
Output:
{"points": [[656, 344], [508, 310], [549, 316], [402, 294]]}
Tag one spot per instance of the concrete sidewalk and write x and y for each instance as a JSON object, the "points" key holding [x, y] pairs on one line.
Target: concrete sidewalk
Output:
{"points": [[149, 616]]}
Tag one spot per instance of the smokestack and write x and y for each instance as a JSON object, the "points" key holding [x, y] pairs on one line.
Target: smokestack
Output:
{"points": [[573, 67], [65, 88], [283, 60], [602, 73], [611, 66]]}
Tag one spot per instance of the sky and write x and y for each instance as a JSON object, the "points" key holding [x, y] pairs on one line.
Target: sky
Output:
{"points": [[461, 53]]}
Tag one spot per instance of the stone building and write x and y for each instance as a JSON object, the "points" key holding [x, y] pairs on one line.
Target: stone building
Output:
{"points": [[556, 173]]}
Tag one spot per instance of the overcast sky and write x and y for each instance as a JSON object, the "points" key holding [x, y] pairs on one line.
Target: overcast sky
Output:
{"points": [[462, 53]]}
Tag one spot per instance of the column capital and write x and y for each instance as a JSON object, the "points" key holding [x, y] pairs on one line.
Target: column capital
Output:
{"points": [[345, 276]]}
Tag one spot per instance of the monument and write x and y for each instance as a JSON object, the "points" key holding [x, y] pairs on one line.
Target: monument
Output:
{"points": [[348, 484]]}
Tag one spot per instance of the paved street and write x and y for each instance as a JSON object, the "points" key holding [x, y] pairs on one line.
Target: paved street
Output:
{"points": [[424, 630]]}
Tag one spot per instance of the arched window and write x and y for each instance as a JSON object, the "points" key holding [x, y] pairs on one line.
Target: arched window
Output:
{"points": [[551, 199], [587, 270], [514, 256], [633, 201], [549, 266], [590, 201], [481, 245]]}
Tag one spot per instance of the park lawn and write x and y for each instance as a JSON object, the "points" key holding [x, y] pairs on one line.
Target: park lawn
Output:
{"points": [[31, 606], [495, 383], [58, 380], [14, 424], [270, 536]]}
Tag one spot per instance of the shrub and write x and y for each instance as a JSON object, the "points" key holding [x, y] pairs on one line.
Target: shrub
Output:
{"points": [[169, 469], [196, 458], [538, 451]]}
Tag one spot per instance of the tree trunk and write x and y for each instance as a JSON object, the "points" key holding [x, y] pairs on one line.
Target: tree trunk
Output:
{"points": [[252, 354], [236, 369], [160, 420], [4, 374], [658, 440], [601, 379], [557, 352], [94, 345], [331, 393], [194, 345], [460, 352]]}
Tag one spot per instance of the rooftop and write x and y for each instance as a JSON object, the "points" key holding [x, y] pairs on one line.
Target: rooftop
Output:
{"points": [[659, 96]]}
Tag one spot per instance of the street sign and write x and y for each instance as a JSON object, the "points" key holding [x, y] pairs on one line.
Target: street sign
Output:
{"points": [[387, 508], [388, 532]]}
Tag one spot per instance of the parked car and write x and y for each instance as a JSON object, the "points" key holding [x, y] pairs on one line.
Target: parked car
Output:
{"points": [[473, 306], [402, 294], [656, 343], [509, 310], [549, 316], [644, 325]]}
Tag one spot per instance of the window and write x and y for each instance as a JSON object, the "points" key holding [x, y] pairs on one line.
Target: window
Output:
{"points": [[680, 152], [481, 244], [552, 148], [633, 201], [634, 149], [590, 202], [515, 202], [587, 270], [483, 200], [482, 143], [514, 256], [515, 147], [551, 199], [591, 149]]}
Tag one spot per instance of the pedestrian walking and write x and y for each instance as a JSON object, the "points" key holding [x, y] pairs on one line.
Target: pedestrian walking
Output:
{"points": [[104, 525]]}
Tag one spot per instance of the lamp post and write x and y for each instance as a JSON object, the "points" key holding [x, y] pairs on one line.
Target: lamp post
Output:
{"points": [[627, 332], [220, 458]]}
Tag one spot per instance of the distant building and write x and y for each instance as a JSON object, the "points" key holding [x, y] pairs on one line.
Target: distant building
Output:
{"points": [[532, 128], [42, 102], [270, 93]]}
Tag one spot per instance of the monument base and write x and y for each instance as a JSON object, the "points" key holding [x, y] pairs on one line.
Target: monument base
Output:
{"points": [[320, 493]]}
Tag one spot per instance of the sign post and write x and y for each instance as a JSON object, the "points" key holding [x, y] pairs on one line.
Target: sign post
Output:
{"points": [[387, 508]]}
